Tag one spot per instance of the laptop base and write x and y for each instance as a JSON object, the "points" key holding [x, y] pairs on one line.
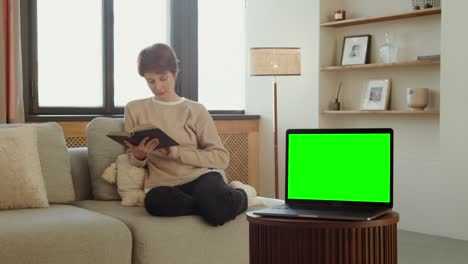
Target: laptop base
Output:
{"points": [[357, 214]]}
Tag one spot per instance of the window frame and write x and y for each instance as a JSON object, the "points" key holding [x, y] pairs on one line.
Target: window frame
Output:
{"points": [[30, 66], [183, 35]]}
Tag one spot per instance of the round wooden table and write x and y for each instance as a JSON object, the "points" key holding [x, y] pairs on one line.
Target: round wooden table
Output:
{"points": [[294, 240]]}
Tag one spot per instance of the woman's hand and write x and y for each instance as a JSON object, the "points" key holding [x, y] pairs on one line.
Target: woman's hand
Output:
{"points": [[166, 151], [145, 146]]}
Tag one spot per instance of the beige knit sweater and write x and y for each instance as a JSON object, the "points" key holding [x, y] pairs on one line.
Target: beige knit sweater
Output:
{"points": [[190, 124]]}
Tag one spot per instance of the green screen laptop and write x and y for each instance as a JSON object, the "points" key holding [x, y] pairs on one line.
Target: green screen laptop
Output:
{"points": [[337, 174]]}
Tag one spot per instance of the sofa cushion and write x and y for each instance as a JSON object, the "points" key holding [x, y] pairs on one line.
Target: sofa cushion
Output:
{"points": [[102, 151], [54, 159], [63, 234], [22, 185], [184, 239]]}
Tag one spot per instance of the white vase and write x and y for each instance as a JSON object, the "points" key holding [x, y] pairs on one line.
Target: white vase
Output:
{"points": [[417, 98]]}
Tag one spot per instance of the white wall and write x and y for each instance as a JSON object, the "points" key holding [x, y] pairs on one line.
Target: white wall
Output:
{"points": [[281, 23], [417, 163], [450, 213], [431, 174]]}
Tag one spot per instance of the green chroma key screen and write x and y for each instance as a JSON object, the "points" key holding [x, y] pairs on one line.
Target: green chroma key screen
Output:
{"points": [[339, 167]]}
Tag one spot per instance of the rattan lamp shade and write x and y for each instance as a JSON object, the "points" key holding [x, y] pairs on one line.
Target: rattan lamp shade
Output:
{"points": [[275, 61]]}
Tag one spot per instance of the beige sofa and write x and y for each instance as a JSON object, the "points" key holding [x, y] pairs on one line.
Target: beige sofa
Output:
{"points": [[94, 228]]}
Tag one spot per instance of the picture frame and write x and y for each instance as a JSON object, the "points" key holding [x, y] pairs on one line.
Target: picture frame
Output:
{"points": [[356, 50], [377, 95]]}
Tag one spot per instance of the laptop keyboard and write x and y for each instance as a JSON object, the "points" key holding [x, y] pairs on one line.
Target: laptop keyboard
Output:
{"points": [[283, 206], [326, 208]]}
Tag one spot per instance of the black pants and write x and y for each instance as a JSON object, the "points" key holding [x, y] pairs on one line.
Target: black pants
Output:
{"points": [[208, 196]]}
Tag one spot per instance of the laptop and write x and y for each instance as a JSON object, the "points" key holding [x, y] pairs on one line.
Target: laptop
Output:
{"points": [[344, 174]]}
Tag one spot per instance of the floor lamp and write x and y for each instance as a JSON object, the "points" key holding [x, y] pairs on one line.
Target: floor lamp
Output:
{"points": [[275, 62]]}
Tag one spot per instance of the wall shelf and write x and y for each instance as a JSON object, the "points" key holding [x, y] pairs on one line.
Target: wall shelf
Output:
{"points": [[407, 73], [359, 21], [380, 112], [380, 65]]}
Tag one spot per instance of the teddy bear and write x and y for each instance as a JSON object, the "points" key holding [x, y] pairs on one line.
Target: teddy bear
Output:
{"points": [[129, 180]]}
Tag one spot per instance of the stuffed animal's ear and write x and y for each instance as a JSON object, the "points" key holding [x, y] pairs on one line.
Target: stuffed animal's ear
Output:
{"points": [[110, 174]]}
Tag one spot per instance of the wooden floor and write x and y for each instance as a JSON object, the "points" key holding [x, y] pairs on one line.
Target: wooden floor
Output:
{"points": [[416, 248]]}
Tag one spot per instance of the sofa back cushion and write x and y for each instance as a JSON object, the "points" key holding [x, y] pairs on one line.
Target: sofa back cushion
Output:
{"points": [[102, 152], [54, 159], [22, 184]]}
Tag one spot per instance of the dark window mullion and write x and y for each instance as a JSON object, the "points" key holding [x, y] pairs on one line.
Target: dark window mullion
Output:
{"points": [[26, 48], [108, 52], [68, 110], [33, 88], [226, 112], [184, 40]]}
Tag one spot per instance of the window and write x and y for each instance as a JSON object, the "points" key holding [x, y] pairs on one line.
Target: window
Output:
{"points": [[65, 74], [84, 61], [151, 20]]}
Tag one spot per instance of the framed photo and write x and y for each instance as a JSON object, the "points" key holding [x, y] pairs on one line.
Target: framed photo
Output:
{"points": [[355, 50], [377, 95]]}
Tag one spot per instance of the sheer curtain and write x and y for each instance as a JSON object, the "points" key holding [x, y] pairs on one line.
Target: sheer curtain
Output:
{"points": [[11, 88]]}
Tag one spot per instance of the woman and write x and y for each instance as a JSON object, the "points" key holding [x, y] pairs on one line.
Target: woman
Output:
{"points": [[181, 179]]}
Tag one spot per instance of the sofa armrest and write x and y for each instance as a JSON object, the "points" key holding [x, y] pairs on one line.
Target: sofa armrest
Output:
{"points": [[80, 173]]}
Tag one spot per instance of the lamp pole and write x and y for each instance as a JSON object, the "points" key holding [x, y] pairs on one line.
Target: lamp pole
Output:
{"points": [[275, 136]]}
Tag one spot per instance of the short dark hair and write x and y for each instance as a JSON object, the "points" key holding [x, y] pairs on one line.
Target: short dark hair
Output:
{"points": [[157, 58]]}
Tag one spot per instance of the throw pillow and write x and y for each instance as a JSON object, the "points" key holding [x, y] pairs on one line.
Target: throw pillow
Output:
{"points": [[102, 152], [55, 162], [22, 185]]}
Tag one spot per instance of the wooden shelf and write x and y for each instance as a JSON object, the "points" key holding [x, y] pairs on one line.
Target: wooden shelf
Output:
{"points": [[359, 21], [381, 112], [380, 65]]}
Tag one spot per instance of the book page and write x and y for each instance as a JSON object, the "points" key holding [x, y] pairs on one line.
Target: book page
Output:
{"points": [[118, 133], [143, 127]]}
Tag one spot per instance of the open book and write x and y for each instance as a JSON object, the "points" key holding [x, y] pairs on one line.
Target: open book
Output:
{"points": [[140, 133]]}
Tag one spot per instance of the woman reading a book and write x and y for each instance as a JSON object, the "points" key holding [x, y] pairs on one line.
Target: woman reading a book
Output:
{"points": [[182, 179]]}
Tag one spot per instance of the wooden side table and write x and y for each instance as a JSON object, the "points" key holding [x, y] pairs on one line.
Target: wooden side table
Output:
{"points": [[291, 241]]}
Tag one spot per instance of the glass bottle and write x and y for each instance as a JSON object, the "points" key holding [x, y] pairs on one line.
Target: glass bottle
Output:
{"points": [[388, 52]]}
